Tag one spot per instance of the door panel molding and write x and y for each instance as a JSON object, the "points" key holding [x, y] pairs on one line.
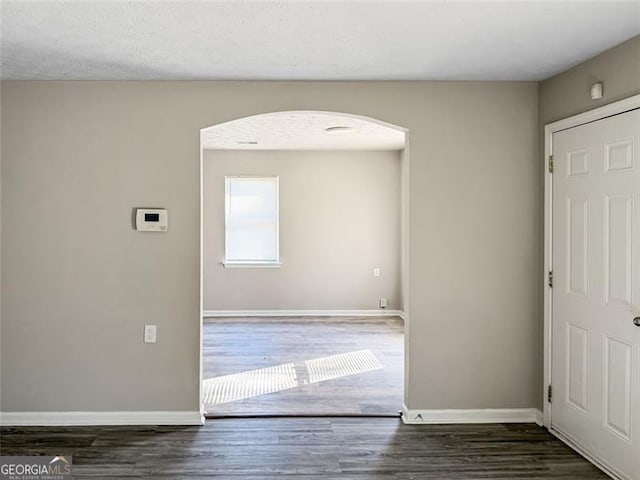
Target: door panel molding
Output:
{"points": [[616, 413]]}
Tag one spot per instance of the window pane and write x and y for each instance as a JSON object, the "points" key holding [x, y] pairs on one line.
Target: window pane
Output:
{"points": [[252, 219]]}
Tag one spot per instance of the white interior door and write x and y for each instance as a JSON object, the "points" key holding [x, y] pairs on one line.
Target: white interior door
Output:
{"points": [[596, 290]]}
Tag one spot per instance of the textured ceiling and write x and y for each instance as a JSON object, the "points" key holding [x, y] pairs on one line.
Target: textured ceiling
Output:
{"points": [[301, 131], [313, 40]]}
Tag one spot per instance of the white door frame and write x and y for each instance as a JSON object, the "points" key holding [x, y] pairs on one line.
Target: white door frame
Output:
{"points": [[605, 111]]}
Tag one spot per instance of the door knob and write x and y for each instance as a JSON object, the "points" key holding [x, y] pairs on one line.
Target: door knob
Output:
{"points": [[636, 321]]}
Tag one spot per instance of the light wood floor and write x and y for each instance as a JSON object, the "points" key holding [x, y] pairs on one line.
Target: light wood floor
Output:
{"points": [[233, 346], [306, 449]]}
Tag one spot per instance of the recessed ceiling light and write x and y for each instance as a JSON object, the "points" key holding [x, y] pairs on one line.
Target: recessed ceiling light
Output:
{"points": [[339, 130], [252, 142]]}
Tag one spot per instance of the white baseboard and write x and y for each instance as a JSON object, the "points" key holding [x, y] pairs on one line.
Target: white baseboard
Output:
{"points": [[540, 418], [498, 415], [45, 419], [302, 313]]}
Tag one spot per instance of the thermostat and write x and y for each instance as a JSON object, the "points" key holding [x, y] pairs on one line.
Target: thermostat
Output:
{"points": [[152, 220]]}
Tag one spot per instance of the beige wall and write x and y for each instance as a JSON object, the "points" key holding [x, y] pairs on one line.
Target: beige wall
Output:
{"points": [[79, 283], [567, 94], [339, 219]]}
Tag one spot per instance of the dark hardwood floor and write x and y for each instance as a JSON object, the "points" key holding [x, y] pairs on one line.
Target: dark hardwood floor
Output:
{"points": [[303, 365], [306, 448]]}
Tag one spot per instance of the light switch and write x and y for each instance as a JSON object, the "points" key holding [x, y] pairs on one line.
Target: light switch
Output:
{"points": [[376, 272]]}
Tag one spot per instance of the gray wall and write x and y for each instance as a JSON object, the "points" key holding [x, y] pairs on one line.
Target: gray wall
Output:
{"points": [[79, 283], [0, 249], [339, 218]]}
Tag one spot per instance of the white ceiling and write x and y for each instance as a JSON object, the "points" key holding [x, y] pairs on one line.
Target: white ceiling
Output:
{"points": [[301, 131], [309, 40]]}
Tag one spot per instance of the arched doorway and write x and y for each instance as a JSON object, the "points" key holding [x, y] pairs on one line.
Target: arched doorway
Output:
{"points": [[224, 292]]}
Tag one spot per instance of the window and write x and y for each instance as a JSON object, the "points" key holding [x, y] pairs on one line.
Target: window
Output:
{"points": [[251, 221]]}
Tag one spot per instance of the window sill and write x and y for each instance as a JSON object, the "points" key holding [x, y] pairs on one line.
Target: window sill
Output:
{"points": [[237, 264]]}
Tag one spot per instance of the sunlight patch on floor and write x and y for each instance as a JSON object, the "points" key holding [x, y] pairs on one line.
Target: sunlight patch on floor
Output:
{"points": [[253, 383], [342, 365], [238, 386]]}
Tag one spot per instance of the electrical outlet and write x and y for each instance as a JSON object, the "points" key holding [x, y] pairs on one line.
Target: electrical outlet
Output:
{"points": [[150, 334], [376, 272], [384, 302]]}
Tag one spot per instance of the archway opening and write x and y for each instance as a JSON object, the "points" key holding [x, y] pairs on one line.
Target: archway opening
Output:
{"points": [[304, 272]]}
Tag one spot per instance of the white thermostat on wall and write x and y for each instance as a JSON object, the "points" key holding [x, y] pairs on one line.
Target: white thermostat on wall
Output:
{"points": [[152, 220]]}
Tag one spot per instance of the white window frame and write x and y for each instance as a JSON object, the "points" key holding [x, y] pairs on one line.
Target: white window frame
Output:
{"points": [[251, 263]]}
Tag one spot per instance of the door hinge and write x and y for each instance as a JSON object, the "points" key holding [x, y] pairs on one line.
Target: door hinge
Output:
{"points": [[549, 394], [550, 279], [551, 164]]}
